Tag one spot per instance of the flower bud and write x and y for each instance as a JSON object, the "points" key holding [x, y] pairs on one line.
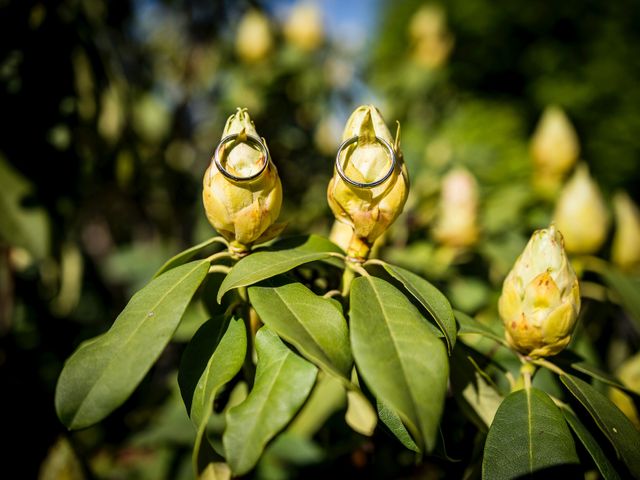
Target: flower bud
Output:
{"points": [[303, 27], [253, 39], [368, 210], [457, 223], [625, 251], [581, 214], [554, 148], [242, 211], [432, 43], [540, 297]]}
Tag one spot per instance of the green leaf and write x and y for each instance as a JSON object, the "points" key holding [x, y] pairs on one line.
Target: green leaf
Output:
{"points": [[19, 225], [279, 258], [528, 434], [606, 468], [283, 382], [314, 325], [402, 362], [613, 423], [473, 389], [468, 325], [186, 255], [103, 371], [395, 425], [429, 297], [360, 416], [212, 358]]}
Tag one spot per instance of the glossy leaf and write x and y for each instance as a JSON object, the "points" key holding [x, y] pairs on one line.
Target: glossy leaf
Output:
{"points": [[103, 371], [402, 362], [605, 466], [186, 255], [282, 384], [613, 423], [429, 297], [314, 325], [275, 260], [395, 425], [212, 358], [528, 434]]}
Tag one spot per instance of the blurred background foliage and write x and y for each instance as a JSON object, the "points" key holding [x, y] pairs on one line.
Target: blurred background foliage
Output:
{"points": [[111, 111]]}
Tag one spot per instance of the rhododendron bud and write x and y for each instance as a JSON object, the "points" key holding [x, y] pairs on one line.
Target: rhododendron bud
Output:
{"points": [[554, 148], [242, 199], [625, 251], [253, 38], [370, 183], [303, 27], [432, 42], [540, 297], [457, 223], [581, 214]]}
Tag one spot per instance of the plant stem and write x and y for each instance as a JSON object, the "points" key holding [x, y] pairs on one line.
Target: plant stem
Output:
{"points": [[549, 366]]}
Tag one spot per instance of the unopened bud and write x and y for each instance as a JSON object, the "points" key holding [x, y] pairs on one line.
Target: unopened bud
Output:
{"points": [[457, 223], [554, 148], [243, 210], [253, 38], [540, 297], [581, 214], [625, 251], [432, 42], [366, 204], [303, 27]]}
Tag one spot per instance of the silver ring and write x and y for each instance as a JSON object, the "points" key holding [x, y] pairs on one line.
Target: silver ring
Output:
{"points": [[250, 140], [375, 183]]}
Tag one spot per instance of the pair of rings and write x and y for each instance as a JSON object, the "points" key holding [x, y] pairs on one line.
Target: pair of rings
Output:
{"points": [[251, 140]]}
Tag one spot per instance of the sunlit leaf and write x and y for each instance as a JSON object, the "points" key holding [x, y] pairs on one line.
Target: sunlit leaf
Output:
{"points": [[282, 384], [186, 255], [103, 371], [401, 361], [275, 260], [429, 297], [314, 325]]}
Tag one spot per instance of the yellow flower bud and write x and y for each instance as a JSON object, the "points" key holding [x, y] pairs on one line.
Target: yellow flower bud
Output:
{"points": [[581, 214], [303, 27], [253, 39], [457, 223], [432, 43], [554, 148], [629, 374], [540, 297], [368, 210], [243, 211], [625, 251]]}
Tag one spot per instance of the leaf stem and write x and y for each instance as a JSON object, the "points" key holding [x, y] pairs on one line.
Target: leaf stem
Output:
{"points": [[218, 256], [549, 366], [219, 269]]}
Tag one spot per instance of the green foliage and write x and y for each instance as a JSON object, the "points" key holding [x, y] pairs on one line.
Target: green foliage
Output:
{"points": [[105, 370], [312, 324], [402, 362], [283, 382], [528, 434]]}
